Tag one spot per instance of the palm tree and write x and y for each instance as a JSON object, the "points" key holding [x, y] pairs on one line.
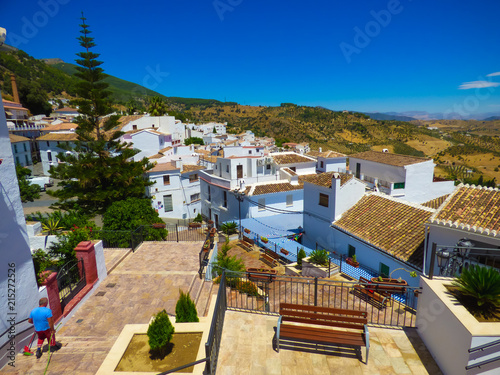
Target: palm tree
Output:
{"points": [[157, 106]]}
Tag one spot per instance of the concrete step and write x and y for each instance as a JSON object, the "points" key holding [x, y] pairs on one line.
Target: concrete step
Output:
{"points": [[196, 287], [203, 302]]}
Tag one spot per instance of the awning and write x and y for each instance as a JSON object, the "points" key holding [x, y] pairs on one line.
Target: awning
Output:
{"points": [[8, 113]]}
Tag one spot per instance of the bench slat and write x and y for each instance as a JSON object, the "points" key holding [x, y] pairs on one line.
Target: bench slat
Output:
{"points": [[323, 323], [321, 316], [320, 335], [328, 310]]}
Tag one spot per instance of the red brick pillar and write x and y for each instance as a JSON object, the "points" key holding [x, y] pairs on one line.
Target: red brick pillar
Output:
{"points": [[85, 250], [53, 293]]}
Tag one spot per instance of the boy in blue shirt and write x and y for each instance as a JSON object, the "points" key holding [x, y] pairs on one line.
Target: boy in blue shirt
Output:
{"points": [[41, 318]]}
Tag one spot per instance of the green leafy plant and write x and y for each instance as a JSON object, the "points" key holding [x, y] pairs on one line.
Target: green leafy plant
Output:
{"points": [[41, 261], [301, 255], [225, 248], [412, 273], [198, 219], [185, 309], [354, 258], [160, 332], [319, 257], [51, 226], [264, 239], [482, 285], [29, 192], [229, 227]]}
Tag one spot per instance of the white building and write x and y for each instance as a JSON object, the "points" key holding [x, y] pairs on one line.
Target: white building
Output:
{"points": [[49, 148], [148, 141], [326, 197], [175, 193], [408, 177], [471, 212], [162, 124], [21, 150], [329, 161], [18, 288]]}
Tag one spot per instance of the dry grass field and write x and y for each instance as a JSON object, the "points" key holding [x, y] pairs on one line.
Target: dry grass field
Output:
{"points": [[485, 163], [429, 145]]}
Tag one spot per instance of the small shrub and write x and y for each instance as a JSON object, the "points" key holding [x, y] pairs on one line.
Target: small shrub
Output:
{"points": [[482, 285], [185, 309], [319, 257], [51, 227], [198, 219], [301, 255], [160, 332]]}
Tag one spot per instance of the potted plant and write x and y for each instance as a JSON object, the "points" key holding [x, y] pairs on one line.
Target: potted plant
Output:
{"points": [[284, 251], [264, 239], [393, 281], [159, 225], [206, 246], [246, 230], [353, 261]]}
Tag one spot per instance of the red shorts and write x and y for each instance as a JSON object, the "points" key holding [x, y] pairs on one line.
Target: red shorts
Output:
{"points": [[42, 335]]}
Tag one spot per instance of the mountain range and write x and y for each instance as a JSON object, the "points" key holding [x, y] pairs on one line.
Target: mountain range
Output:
{"points": [[423, 115]]}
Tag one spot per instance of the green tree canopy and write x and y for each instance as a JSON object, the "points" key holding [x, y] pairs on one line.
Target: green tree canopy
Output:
{"points": [[28, 191], [157, 106], [97, 169], [132, 213], [193, 140]]}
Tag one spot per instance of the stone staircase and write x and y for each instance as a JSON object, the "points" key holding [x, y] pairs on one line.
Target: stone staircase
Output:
{"points": [[201, 293]]}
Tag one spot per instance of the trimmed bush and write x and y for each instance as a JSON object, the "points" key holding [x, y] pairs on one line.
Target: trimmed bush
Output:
{"points": [[301, 255], [198, 219], [160, 332], [185, 309]]}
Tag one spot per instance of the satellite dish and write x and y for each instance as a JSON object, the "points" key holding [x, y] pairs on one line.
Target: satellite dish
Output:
{"points": [[3, 35]]}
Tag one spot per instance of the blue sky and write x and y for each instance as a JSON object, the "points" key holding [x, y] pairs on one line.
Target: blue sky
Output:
{"points": [[373, 55]]}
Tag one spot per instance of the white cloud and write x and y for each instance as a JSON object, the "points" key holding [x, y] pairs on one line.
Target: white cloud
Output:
{"points": [[493, 74], [478, 85]]}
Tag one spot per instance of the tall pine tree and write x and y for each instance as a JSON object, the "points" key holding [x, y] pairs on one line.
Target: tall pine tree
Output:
{"points": [[96, 169]]}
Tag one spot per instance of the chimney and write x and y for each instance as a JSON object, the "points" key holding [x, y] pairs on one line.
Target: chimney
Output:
{"points": [[320, 149], [15, 94]]}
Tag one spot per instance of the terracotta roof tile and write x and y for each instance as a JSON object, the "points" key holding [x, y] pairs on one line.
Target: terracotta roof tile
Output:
{"points": [[399, 231], [325, 179], [289, 171], [192, 167], [166, 149], [61, 126], [436, 202], [325, 154], [58, 136], [290, 158], [388, 158], [17, 138], [156, 156], [66, 109], [271, 188], [163, 167], [473, 208]]}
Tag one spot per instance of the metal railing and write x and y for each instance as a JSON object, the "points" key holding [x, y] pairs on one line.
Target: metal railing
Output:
{"points": [[481, 348], [248, 292], [214, 337], [70, 280]]}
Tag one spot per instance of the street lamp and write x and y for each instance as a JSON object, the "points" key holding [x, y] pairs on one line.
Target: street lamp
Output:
{"points": [[450, 263], [240, 196]]}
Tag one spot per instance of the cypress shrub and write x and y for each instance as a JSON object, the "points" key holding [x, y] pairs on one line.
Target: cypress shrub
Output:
{"points": [[185, 309], [160, 332], [301, 255]]}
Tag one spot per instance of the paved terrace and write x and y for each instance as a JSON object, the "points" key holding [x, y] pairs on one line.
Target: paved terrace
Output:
{"points": [[142, 284], [246, 349]]}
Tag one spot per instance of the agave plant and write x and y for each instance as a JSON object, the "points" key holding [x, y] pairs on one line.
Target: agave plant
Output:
{"points": [[482, 284], [319, 257], [51, 226]]}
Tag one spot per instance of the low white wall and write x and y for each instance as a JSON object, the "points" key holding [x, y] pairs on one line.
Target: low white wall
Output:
{"points": [[42, 242], [448, 330], [102, 271]]}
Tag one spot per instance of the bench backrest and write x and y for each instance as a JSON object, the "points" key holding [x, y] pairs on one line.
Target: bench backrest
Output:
{"points": [[246, 239], [363, 280], [325, 316], [272, 254]]}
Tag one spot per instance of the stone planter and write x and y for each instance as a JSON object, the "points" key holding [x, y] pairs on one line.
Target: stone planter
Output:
{"points": [[315, 270], [448, 330], [292, 270]]}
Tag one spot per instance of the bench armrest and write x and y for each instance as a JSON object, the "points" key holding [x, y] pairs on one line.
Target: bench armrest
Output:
{"points": [[278, 334]]}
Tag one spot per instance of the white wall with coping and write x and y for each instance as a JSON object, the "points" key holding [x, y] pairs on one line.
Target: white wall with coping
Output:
{"points": [[102, 271], [18, 288], [448, 330]]}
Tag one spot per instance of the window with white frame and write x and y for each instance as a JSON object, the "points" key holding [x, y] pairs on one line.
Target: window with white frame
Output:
{"points": [[195, 197]]}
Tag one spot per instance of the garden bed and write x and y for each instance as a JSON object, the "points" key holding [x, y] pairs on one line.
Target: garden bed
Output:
{"points": [[182, 349], [469, 304]]}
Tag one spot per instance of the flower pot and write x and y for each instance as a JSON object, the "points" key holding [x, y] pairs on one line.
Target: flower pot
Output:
{"points": [[352, 262], [265, 240], [284, 251], [390, 281], [247, 230], [159, 225]]}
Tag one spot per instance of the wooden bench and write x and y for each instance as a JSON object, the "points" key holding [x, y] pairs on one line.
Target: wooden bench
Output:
{"points": [[248, 240], [272, 254], [259, 274], [268, 259], [355, 321], [375, 294]]}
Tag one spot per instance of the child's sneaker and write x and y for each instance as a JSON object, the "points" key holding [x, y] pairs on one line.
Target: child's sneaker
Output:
{"points": [[38, 353]]}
